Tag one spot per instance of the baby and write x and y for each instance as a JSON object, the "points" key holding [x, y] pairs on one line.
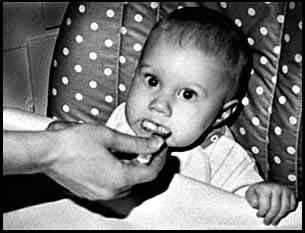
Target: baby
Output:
{"points": [[191, 76]]}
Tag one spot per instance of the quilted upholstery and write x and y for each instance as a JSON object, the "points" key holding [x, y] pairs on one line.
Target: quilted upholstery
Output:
{"points": [[99, 45]]}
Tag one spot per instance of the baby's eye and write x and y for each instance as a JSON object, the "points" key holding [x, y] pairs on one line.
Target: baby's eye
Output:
{"points": [[188, 94], [152, 80]]}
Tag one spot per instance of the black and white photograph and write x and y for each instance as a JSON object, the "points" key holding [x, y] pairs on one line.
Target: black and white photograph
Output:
{"points": [[152, 115]]}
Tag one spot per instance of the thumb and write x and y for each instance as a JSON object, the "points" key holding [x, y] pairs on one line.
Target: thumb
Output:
{"points": [[139, 173], [252, 197], [132, 144]]}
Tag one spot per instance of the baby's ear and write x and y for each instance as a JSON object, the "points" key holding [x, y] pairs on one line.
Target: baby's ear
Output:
{"points": [[228, 109]]}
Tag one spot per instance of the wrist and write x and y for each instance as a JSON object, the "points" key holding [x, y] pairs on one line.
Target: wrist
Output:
{"points": [[27, 152], [50, 151]]}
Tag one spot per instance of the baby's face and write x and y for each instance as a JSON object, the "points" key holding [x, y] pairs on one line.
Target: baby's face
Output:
{"points": [[176, 91]]}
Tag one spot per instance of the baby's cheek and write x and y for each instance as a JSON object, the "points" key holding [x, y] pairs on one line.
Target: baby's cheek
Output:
{"points": [[182, 138]]}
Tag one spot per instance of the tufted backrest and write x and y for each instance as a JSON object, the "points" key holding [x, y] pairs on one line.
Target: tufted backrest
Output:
{"points": [[99, 45]]}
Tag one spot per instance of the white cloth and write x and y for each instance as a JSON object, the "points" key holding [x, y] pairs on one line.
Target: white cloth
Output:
{"points": [[224, 163], [186, 204]]}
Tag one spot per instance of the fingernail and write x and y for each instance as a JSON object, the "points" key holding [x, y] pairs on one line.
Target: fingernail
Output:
{"points": [[157, 141], [143, 158]]}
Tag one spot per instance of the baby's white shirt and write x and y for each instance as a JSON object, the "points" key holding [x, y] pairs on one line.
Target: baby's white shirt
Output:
{"points": [[224, 163]]}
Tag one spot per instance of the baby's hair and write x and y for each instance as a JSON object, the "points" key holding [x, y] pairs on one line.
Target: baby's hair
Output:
{"points": [[216, 35]]}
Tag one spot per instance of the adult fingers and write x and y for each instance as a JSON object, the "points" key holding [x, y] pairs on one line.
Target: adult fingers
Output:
{"points": [[132, 144], [284, 210], [58, 125], [141, 173], [275, 206]]}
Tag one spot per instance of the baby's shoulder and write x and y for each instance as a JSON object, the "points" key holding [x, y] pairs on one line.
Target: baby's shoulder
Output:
{"points": [[226, 147]]}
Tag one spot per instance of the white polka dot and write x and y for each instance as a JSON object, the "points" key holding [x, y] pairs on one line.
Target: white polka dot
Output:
{"points": [[65, 51], [251, 11], [245, 101], [108, 43], [110, 13], [122, 87], [138, 18], [269, 109], [238, 22], [78, 96], [267, 2], [277, 49], [282, 99], [94, 26], [292, 177], [65, 80], [123, 30], [92, 84], [263, 60], [68, 21], [250, 41], [55, 118], [82, 8], [223, 4], [242, 131], [259, 90], [285, 69], [290, 150], [55, 63], [252, 71], [214, 138], [300, 25], [54, 91], [154, 5], [122, 60], [280, 18], [108, 98], [263, 30], [78, 68], [107, 71], [65, 108], [277, 159], [298, 58], [293, 120], [287, 37], [277, 130], [255, 121], [79, 39], [137, 47], [94, 111], [296, 89], [291, 5], [179, 7], [273, 79], [93, 55], [255, 150], [81, 122]]}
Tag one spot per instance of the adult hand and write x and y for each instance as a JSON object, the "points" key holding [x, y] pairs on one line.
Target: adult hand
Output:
{"points": [[83, 163]]}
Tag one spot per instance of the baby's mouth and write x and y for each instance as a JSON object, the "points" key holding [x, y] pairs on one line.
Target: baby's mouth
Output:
{"points": [[155, 128]]}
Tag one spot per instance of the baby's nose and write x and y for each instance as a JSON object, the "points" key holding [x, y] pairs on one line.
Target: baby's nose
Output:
{"points": [[161, 105]]}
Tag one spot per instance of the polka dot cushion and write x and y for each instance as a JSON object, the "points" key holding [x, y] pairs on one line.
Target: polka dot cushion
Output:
{"points": [[99, 45], [83, 81], [284, 149]]}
